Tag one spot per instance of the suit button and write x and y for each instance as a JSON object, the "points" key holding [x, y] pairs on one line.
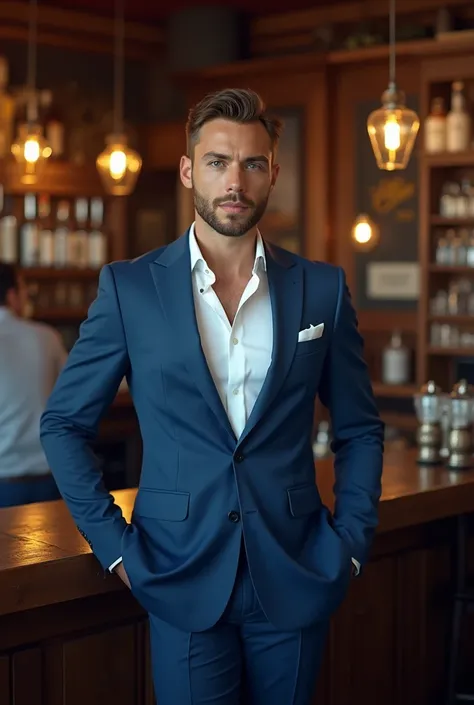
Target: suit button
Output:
{"points": [[239, 457], [234, 517]]}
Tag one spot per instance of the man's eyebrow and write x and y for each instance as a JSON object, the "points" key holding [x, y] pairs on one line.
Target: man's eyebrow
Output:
{"points": [[227, 157]]}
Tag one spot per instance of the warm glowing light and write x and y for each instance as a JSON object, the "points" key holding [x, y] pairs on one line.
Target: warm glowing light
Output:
{"points": [[118, 166], [392, 131], [31, 152], [392, 134], [365, 233]]}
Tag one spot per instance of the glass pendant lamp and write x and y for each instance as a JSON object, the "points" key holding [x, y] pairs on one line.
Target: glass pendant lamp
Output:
{"points": [[30, 148], [118, 165], [393, 127]]}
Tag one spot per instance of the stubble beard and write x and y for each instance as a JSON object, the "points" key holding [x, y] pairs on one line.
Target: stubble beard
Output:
{"points": [[233, 225]]}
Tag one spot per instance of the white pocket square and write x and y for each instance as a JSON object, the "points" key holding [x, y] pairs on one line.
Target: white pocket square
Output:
{"points": [[310, 333]]}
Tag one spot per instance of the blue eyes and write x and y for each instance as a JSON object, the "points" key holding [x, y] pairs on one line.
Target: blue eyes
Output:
{"points": [[250, 165]]}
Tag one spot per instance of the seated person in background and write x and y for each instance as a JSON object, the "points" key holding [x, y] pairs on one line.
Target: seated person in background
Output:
{"points": [[31, 357]]}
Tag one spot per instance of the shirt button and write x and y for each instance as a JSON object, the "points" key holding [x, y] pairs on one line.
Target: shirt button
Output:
{"points": [[234, 517], [236, 391], [235, 340]]}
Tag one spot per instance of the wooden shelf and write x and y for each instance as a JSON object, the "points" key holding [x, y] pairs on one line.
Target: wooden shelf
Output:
{"points": [[448, 159], [59, 273], [448, 351], [456, 222], [59, 178], [450, 269], [451, 319], [64, 313], [402, 391]]}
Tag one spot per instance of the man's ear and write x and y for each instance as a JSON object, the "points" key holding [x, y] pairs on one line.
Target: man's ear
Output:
{"points": [[186, 171]]}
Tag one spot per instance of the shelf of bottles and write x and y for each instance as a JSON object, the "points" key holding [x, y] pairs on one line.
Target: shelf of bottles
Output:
{"points": [[449, 159], [59, 244]]}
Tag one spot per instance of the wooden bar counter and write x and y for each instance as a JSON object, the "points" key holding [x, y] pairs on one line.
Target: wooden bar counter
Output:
{"points": [[70, 635]]}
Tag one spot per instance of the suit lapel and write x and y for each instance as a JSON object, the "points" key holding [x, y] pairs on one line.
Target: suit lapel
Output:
{"points": [[171, 273], [285, 281]]}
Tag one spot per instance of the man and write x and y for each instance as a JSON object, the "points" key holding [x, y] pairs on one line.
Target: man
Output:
{"points": [[31, 357], [225, 341]]}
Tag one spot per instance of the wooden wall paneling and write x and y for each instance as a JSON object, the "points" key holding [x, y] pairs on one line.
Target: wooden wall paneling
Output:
{"points": [[5, 679], [163, 144], [27, 678], [108, 659], [290, 82]]}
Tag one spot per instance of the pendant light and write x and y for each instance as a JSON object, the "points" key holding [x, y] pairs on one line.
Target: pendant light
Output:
{"points": [[118, 165], [30, 149], [393, 127], [365, 233]]}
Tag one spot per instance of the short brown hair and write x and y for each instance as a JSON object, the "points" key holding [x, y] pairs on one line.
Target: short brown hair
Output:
{"points": [[237, 104]]}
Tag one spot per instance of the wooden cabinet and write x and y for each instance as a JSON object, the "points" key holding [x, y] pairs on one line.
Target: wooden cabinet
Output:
{"points": [[446, 312]]}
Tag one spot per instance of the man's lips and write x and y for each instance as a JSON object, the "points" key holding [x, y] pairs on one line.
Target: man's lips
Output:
{"points": [[232, 207]]}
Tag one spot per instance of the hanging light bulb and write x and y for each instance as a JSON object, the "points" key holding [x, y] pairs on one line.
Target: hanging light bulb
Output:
{"points": [[364, 233], [31, 149], [393, 127], [118, 165]]}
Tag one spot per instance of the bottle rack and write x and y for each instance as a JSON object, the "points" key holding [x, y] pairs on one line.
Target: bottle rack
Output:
{"points": [[62, 231], [446, 308]]}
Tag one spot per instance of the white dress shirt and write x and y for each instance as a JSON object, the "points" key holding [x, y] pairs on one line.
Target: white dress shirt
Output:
{"points": [[238, 354]]}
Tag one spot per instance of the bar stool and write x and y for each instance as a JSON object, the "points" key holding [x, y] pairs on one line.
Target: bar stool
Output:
{"points": [[463, 602]]}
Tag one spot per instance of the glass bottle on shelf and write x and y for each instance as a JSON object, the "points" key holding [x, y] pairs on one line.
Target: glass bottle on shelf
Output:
{"points": [[459, 248], [396, 361], [441, 252], [8, 231], [470, 250], [450, 247], [97, 238], [61, 234], [458, 121], [7, 111], [81, 211], [46, 237], [435, 127], [448, 202], [29, 235]]}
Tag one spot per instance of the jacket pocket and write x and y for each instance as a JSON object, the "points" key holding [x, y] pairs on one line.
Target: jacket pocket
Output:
{"points": [[303, 500], [162, 504]]}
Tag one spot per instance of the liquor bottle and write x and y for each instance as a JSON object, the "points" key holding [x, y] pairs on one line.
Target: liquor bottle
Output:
{"points": [[458, 121], [46, 237], [7, 111], [8, 232], [81, 239], [29, 235], [97, 238], [61, 234], [435, 127], [395, 361]]}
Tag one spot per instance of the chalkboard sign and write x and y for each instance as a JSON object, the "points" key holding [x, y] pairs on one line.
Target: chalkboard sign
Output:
{"points": [[391, 200]]}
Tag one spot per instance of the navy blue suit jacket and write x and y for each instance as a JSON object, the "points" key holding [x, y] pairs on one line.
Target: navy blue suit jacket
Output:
{"points": [[201, 488]]}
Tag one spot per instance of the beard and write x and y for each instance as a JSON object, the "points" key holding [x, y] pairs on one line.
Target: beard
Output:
{"points": [[231, 224]]}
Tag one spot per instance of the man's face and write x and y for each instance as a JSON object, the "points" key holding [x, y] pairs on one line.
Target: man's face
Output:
{"points": [[231, 174]]}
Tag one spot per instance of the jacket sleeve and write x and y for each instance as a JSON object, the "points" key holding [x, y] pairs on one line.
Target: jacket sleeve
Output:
{"points": [[84, 390], [358, 432]]}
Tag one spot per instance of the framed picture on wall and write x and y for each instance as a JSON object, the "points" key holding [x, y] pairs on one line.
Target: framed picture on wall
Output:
{"points": [[283, 222]]}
